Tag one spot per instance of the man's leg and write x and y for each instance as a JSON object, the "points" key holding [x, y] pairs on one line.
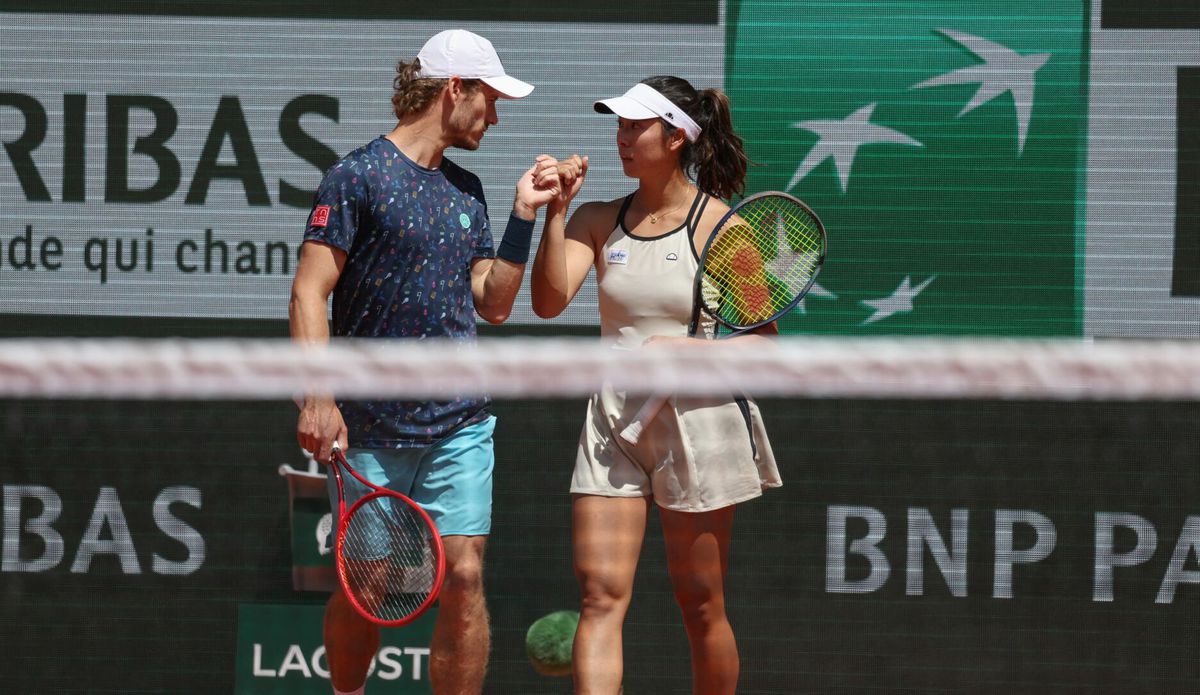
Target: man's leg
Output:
{"points": [[458, 654], [350, 640], [350, 643], [454, 485]]}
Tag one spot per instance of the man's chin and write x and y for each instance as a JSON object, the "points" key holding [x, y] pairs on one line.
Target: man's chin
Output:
{"points": [[467, 143]]}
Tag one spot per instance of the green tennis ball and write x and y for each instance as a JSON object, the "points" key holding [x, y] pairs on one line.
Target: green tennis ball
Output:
{"points": [[549, 640]]}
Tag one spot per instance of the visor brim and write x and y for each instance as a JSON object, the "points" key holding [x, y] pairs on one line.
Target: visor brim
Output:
{"points": [[509, 87], [624, 107]]}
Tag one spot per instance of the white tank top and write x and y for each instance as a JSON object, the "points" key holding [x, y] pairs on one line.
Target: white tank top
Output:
{"points": [[646, 284], [696, 454]]}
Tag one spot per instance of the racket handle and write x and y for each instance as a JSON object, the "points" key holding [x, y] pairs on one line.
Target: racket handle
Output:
{"points": [[633, 431]]}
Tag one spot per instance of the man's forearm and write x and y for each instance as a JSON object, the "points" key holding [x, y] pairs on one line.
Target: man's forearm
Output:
{"points": [[500, 289], [507, 270], [307, 321]]}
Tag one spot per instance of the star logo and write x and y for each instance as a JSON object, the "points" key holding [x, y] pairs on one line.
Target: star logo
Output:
{"points": [[1003, 71], [789, 264], [841, 139], [795, 267], [898, 302]]}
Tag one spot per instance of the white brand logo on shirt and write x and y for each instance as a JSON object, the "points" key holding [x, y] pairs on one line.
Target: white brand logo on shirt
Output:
{"points": [[618, 256], [672, 257]]}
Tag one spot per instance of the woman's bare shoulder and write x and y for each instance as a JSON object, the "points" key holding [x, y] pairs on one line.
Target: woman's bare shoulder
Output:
{"points": [[713, 212], [598, 217], [600, 207]]}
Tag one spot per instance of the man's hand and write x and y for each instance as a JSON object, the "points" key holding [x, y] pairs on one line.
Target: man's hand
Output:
{"points": [[548, 180], [319, 426]]}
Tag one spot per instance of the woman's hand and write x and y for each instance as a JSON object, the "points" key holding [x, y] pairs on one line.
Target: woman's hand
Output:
{"points": [[571, 174]]}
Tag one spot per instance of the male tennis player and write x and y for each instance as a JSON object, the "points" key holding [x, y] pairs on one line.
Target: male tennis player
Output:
{"points": [[400, 236]]}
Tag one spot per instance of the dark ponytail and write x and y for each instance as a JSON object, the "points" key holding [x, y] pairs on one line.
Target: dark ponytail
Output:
{"points": [[717, 161]]}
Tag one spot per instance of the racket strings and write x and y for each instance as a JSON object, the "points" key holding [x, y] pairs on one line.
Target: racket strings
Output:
{"points": [[760, 260], [388, 558]]}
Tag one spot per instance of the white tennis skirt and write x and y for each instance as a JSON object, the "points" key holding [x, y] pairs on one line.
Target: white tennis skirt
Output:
{"points": [[698, 454]]}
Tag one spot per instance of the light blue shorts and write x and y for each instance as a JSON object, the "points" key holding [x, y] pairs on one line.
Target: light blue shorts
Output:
{"points": [[451, 480]]}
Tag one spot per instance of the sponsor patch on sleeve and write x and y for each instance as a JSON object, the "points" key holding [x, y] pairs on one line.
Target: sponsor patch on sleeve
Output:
{"points": [[320, 216]]}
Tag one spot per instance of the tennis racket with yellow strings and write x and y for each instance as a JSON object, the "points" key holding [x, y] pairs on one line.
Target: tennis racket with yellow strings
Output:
{"points": [[757, 265]]}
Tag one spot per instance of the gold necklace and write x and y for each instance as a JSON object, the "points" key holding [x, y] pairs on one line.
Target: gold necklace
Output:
{"points": [[655, 218]]}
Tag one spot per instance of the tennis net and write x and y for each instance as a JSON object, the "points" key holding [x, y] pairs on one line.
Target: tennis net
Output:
{"points": [[516, 367]]}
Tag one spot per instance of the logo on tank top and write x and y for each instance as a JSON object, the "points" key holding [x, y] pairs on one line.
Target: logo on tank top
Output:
{"points": [[672, 256], [618, 256]]}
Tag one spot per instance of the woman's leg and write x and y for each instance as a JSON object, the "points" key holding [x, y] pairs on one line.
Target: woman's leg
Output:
{"points": [[697, 558], [607, 535]]}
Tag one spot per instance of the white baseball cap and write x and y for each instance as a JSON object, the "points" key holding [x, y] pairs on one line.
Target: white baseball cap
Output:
{"points": [[471, 57]]}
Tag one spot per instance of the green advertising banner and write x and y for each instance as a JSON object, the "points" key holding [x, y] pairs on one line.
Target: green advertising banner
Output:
{"points": [[942, 148], [280, 650]]}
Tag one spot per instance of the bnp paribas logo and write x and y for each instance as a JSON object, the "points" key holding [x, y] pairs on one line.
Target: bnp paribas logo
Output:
{"points": [[944, 151]]}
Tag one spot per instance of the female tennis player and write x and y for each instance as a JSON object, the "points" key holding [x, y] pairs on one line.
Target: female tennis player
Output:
{"points": [[698, 457]]}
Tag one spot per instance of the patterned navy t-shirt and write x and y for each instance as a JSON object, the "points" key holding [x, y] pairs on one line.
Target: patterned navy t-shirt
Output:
{"points": [[410, 235]]}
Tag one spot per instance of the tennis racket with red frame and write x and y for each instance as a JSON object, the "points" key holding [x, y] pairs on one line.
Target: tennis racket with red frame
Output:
{"points": [[759, 262], [389, 556]]}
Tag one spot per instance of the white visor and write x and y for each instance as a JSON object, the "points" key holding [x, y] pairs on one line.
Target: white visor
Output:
{"points": [[643, 101], [457, 52]]}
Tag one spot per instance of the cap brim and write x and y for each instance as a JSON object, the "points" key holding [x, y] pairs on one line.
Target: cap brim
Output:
{"points": [[625, 108], [509, 87]]}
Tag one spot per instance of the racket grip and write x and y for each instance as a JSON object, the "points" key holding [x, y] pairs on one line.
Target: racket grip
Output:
{"points": [[633, 431]]}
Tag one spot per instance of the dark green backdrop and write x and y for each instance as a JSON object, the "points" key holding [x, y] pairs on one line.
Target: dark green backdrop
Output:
{"points": [[107, 631]]}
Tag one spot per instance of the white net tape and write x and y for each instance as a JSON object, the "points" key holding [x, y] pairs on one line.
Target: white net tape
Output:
{"points": [[554, 368]]}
